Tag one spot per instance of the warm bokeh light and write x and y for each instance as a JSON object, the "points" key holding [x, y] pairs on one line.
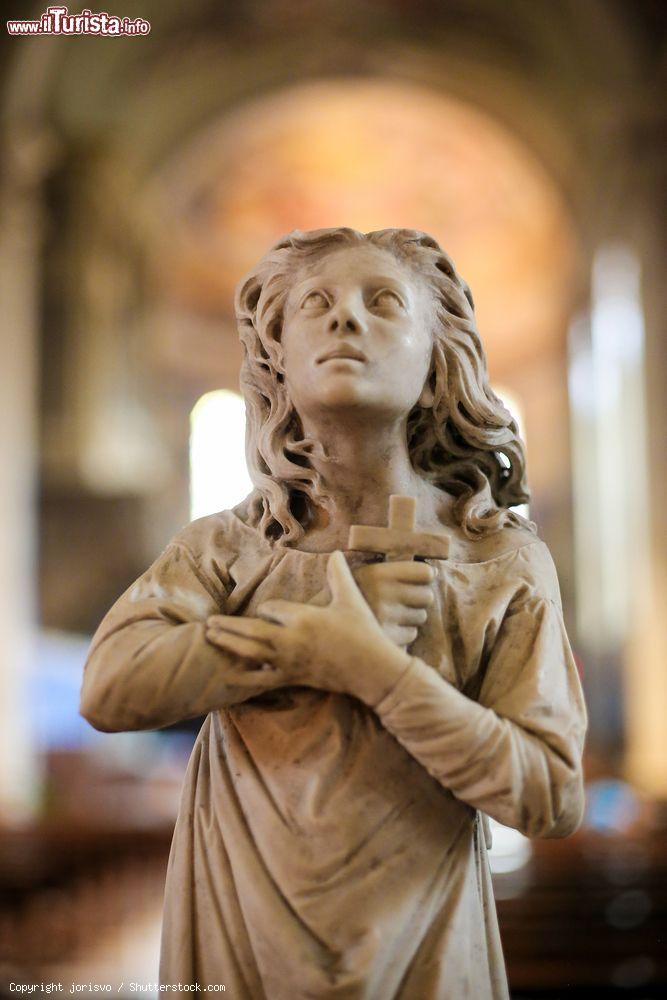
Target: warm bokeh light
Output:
{"points": [[510, 850], [372, 154], [218, 474]]}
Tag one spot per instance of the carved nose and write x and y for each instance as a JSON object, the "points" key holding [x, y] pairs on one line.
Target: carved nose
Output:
{"points": [[345, 323]]}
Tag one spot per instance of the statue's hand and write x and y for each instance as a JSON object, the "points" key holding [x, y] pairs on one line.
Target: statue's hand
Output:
{"points": [[340, 647], [399, 594]]}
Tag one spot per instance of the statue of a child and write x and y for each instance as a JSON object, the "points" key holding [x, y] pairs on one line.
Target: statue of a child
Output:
{"points": [[360, 714]]}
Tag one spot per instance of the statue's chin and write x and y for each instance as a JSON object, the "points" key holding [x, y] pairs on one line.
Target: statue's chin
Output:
{"points": [[356, 401], [349, 388]]}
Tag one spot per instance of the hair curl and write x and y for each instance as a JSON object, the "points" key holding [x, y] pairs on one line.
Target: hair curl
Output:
{"points": [[466, 442]]}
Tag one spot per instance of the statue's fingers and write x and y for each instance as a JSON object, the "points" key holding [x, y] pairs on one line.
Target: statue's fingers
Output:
{"points": [[249, 649], [343, 586], [253, 628], [409, 616], [413, 595], [401, 635], [404, 571], [282, 612], [255, 676]]}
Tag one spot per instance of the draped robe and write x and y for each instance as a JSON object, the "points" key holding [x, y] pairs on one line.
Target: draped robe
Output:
{"points": [[325, 848]]}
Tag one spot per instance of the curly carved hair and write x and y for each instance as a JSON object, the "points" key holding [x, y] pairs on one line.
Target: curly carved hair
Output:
{"points": [[466, 442]]}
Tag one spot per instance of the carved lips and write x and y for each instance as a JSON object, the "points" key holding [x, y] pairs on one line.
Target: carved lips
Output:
{"points": [[343, 351]]}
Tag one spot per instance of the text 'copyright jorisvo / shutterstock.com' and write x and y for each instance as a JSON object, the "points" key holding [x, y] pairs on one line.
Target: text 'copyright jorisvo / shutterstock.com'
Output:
{"points": [[114, 989]]}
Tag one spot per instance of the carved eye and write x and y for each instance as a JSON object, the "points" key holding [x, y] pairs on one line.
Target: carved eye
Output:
{"points": [[315, 300], [386, 299], [446, 268]]}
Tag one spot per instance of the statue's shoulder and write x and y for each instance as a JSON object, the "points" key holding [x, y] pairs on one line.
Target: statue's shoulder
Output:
{"points": [[514, 536], [495, 546], [222, 537], [513, 556]]}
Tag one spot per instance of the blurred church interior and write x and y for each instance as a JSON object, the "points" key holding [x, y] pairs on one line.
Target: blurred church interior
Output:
{"points": [[141, 177]]}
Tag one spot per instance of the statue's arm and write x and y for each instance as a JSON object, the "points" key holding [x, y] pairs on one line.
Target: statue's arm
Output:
{"points": [[150, 664], [515, 753]]}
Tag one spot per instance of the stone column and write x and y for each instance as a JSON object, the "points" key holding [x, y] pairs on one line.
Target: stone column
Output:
{"points": [[646, 675], [19, 254]]}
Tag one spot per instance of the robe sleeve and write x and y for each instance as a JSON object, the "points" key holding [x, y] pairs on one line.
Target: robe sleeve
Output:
{"points": [[514, 753], [150, 664]]}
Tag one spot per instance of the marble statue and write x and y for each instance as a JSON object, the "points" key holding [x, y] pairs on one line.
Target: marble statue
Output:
{"points": [[374, 636]]}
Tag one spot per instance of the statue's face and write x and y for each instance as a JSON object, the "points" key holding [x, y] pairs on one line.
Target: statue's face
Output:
{"points": [[357, 334]]}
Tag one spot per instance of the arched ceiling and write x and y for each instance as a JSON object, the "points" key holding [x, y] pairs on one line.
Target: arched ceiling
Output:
{"points": [[526, 63], [565, 79], [372, 154]]}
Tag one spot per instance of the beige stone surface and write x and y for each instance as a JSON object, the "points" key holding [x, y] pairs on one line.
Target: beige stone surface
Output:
{"points": [[361, 716]]}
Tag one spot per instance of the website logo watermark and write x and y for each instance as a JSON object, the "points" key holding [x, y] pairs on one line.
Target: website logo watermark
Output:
{"points": [[59, 21]]}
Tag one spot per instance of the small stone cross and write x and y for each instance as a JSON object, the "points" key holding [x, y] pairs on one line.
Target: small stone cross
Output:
{"points": [[399, 540]]}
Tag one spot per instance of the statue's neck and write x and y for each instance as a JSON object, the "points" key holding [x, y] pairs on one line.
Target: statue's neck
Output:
{"points": [[361, 466]]}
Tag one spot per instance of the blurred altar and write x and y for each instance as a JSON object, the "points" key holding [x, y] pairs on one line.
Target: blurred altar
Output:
{"points": [[140, 178]]}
